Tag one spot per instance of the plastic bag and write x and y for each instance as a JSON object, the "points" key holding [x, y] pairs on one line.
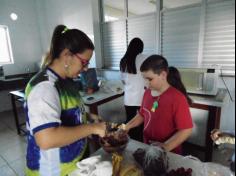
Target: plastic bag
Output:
{"points": [[213, 169], [153, 160]]}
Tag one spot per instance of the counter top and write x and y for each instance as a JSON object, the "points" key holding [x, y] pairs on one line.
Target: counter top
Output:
{"points": [[110, 89], [218, 101]]}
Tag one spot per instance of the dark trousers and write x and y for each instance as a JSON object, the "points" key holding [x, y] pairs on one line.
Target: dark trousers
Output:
{"points": [[135, 133]]}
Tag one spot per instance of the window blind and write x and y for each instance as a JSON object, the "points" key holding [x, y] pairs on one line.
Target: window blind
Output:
{"points": [[114, 43], [180, 30], [219, 39], [144, 27]]}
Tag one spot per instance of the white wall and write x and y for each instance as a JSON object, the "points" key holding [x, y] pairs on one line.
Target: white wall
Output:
{"points": [[72, 13], [24, 35], [31, 33]]}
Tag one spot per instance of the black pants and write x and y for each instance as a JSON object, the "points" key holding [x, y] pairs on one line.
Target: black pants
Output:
{"points": [[135, 133]]}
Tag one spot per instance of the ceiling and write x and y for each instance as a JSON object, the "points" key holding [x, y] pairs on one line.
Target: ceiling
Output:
{"points": [[147, 6]]}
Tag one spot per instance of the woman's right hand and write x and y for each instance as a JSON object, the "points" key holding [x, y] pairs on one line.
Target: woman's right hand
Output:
{"points": [[100, 129]]}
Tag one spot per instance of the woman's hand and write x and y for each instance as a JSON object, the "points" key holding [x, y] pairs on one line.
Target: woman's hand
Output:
{"points": [[100, 129]]}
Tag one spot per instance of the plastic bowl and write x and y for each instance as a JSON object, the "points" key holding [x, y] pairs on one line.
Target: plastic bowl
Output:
{"points": [[115, 146]]}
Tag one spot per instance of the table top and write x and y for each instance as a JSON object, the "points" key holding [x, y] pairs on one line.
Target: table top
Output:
{"points": [[115, 88], [175, 161], [18, 93], [218, 101]]}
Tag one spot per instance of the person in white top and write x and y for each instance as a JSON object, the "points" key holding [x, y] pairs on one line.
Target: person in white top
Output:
{"points": [[134, 83]]}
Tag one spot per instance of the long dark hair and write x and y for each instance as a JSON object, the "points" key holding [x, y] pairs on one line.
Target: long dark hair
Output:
{"points": [[73, 39], [157, 64], [174, 79], [127, 63]]}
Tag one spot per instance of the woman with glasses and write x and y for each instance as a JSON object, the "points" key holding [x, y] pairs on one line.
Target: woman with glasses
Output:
{"points": [[56, 118]]}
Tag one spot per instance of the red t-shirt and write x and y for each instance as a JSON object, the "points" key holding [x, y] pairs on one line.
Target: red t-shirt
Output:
{"points": [[172, 114]]}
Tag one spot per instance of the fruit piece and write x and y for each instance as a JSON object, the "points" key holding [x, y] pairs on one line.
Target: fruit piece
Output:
{"points": [[180, 172], [116, 164], [130, 170]]}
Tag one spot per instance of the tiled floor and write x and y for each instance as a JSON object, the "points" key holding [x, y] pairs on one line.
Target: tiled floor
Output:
{"points": [[13, 146]]}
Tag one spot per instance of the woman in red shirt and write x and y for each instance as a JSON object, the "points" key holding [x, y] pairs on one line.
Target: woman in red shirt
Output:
{"points": [[165, 107]]}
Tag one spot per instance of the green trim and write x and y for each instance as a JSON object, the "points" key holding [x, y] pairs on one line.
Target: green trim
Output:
{"points": [[29, 172]]}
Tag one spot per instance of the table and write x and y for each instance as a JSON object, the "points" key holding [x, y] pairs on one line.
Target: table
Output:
{"points": [[17, 96], [212, 104], [100, 97], [110, 90], [175, 161]]}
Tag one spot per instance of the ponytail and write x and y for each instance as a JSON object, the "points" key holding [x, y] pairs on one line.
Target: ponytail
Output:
{"points": [[174, 79], [46, 60], [74, 40]]}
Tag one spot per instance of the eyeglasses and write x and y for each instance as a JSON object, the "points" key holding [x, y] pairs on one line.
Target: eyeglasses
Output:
{"points": [[84, 62]]}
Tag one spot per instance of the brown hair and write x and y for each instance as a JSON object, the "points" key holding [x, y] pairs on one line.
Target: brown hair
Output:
{"points": [[73, 39], [157, 64]]}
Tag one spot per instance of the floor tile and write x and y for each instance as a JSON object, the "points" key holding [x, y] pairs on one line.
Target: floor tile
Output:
{"points": [[14, 153], [2, 162], [19, 166], [7, 171], [11, 142]]}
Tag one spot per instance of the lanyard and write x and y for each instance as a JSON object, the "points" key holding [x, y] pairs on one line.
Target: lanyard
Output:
{"points": [[155, 104]]}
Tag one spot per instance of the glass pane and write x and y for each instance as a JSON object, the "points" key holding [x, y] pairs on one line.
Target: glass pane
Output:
{"points": [[4, 51], [113, 10], [140, 7], [169, 4]]}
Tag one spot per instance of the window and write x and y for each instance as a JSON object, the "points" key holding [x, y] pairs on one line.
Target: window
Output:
{"points": [[189, 33], [141, 7], [5, 46], [200, 35], [180, 36], [118, 31], [219, 37], [169, 4], [113, 10]]}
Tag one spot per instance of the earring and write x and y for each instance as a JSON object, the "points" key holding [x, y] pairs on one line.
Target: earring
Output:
{"points": [[66, 68]]}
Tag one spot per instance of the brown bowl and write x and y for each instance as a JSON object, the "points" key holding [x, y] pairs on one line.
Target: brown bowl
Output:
{"points": [[111, 145]]}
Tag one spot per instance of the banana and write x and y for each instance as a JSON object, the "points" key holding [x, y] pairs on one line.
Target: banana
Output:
{"points": [[130, 170], [116, 163]]}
